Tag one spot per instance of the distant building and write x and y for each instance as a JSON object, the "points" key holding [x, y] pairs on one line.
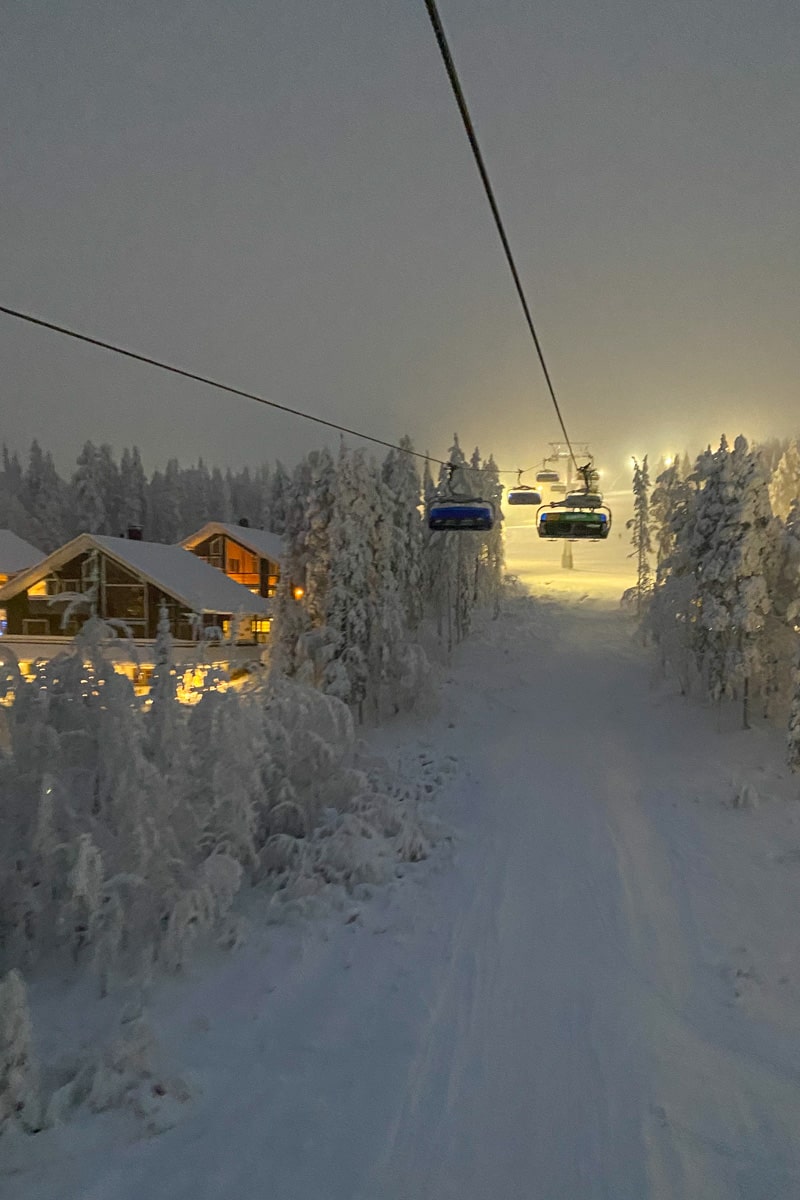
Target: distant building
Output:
{"points": [[250, 557], [15, 555], [127, 582]]}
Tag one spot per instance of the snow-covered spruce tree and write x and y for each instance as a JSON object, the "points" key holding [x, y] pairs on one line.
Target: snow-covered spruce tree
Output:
{"points": [[672, 614], [88, 481], [736, 560], [44, 497], [490, 560], [110, 488], [784, 486], [261, 485], [787, 603], [460, 568], [399, 474], [164, 727], [793, 732], [133, 489], [396, 665], [293, 620], [352, 590], [274, 509], [668, 503], [639, 525], [317, 518], [443, 558], [219, 497]]}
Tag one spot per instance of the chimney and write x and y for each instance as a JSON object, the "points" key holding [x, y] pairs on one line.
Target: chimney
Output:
{"points": [[244, 523], [134, 533]]}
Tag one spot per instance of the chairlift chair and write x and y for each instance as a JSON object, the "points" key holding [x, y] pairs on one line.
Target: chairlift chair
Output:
{"points": [[580, 515], [546, 476], [556, 521], [453, 511], [523, 493]]}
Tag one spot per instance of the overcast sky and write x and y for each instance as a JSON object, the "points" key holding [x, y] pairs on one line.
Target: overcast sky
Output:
{"points": [[280, 193]]}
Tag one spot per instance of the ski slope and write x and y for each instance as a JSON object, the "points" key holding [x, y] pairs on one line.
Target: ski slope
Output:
{"points": [[592, 990]]}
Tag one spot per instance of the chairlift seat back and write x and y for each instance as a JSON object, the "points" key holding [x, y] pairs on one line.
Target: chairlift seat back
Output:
{"points": [[583, 500], [548, 477], [523, 495]]}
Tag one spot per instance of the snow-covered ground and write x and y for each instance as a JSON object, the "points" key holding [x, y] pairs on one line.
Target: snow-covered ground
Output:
{"points": [[591, 990]]}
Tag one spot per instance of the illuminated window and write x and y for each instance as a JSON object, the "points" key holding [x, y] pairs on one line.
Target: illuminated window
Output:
{"points": [[39, 588], [234, 565]]}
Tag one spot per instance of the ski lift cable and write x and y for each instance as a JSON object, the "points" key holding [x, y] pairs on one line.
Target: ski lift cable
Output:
{"points": [[226, 387], [458, 92]]}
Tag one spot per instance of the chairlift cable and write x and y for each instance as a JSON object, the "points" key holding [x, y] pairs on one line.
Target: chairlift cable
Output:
{"points": [[458, 92], [214, 383], [226, 387]]}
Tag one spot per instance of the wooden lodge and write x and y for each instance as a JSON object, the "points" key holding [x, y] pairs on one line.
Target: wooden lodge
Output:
{"points": [[127, 581], [250, 557]]}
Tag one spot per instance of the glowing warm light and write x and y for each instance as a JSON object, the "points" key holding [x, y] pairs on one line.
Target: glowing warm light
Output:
{"points": [[668, 460], [298, 592]]}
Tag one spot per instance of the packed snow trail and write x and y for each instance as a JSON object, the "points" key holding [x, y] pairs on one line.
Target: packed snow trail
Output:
{"points": [[536, 1014]]}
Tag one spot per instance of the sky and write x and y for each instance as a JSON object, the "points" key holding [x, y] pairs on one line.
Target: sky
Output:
{"points": [[280, 194]]}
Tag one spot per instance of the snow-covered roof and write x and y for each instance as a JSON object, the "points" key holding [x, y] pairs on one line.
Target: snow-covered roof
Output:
{"points": [[258, 541], [203, 589], [16, 554]]}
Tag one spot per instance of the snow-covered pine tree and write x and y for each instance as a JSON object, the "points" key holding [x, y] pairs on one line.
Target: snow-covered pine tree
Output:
{"points": [[402, 505], [133, 490], [352, 590], [219, 498], [261, 484], [110, 488], [784, 486], [292, 620], [274, 506], [736, 563], [668, 503], [639, 525], [164, 725], [672, 615], [793, 731], [44, 497], [318, 512], [87, 488]]}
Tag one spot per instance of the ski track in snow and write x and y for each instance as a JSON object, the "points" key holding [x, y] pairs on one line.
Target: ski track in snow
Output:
{"points": [[544, 1013]]}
